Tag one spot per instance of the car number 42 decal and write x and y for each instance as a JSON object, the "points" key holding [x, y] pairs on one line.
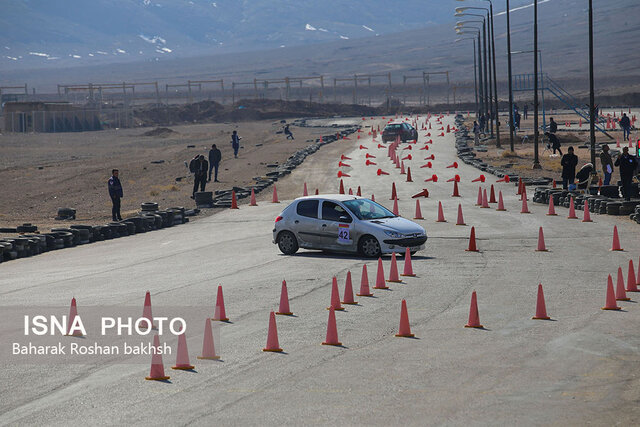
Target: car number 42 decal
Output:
{"points": [[343, 234]]}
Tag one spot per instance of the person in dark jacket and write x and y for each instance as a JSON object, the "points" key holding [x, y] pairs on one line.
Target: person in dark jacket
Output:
{"points": [[553, 126], [115, 192], [235, 143], [607, 164], [583, 175], [517, 120], [200, 168], [625, 125], [525, 111], [214, 161], [569, 162], [555, 142], [628, 165], [288, 133]]}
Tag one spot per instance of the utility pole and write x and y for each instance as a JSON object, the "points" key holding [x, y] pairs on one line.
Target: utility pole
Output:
{"points": [[511, 146], [536, 160], [495, 78], [592, 104]]}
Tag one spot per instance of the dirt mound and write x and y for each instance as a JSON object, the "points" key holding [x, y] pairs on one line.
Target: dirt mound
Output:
{"points": [[161, 132]]}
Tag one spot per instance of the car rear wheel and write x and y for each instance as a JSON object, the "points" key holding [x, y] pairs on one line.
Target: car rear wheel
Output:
{"points": [[287, 243], [369, 247]]}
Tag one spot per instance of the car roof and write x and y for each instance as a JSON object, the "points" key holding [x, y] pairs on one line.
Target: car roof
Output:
{"points": [[334, 197]]}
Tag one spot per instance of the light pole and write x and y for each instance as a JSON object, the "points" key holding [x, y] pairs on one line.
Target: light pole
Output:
{"points": [[536, 159], [592, 104], [511, 146], [481, 94], [475, 79]]}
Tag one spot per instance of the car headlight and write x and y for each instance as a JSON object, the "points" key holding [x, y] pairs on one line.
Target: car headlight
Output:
{"points": [[394, 234]]}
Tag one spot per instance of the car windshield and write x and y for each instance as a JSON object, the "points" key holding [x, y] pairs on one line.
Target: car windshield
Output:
{"points": [[365, 209]]}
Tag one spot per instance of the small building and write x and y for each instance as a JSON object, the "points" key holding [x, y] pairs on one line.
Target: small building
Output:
{"points": [[48, 117]]}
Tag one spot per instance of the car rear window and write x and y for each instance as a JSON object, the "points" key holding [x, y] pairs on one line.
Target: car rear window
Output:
{"points": [[308, 208], [393, 127]]}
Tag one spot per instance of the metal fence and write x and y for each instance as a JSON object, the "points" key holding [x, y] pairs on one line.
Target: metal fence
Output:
{"points": [[78, 120]]}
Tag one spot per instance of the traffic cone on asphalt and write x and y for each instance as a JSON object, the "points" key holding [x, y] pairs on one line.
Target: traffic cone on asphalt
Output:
{"points": [[587, 214], [481, 178], [220, 313], [525, 208], [541, 246], [73, 313], [393, 271], [335, 296], [552, 208], [253, 202], [616, 241], [157, 367], [541, 308], [317, 192], [440, 213], [554, 185], [472, 241], [348, 291], [359, 193], [395, 207], [500, 202], [341, 190], [423, 193], [520, 182], [460, 220], [208, 347], [370, 163], [474, 317], [631, 279], [364, 283], [146, 311], [402, 171], [373, 197], [409, 175], [284, 301], [504, 179], [380, 282], [332, 330], [394, 194], [304, 190], [404, 330], [275, 195], [433, 178], [182, 355], [456, 193], [610, 303], [343, 157], [350, 192], [418, 210], [492, 195], [479, 201], [408, 269], [572, 210], [234, 201], [621, 295], [272, 335], [485, 201]]}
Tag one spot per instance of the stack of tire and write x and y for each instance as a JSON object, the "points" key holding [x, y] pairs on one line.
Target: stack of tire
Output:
{"points": [[66, 214], [204, 199]]}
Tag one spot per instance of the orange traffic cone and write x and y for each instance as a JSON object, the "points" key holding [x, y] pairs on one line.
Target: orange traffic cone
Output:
{"points": [[552, 207], [402, 172], [500, 202], [208, 347], [408, 269], [380, 282], [182, 356], [460, 220], [405, 329], [341, 187], [541, 246], [572, 210], [220, 313], [553, 184], [479, 201], [359, 193], [350, 192], [348, 291], [541, 308], [474, 317], [157, 367], [364, 283], [317, 192], [335, 296], [485, 201], [610, 303], [253, 199], [440, 213], [409, 175], [395, 207], [587, 215], [284, 301], [631, 279], [393, 271], [234, 201], [621, 295], [146, 312], [472, 241], [616, 241], [275, 195], [332, 330], [455, 189], [72, 331], [394, 194], [492, 195], [418, 210], [272, 335], [525, 208], [304, 190]]}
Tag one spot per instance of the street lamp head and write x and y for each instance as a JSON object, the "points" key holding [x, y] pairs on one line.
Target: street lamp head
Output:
{"points": [[461, 9]]}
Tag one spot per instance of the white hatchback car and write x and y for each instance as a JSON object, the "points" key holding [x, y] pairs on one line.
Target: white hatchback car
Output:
{"points": [[345, 223]]}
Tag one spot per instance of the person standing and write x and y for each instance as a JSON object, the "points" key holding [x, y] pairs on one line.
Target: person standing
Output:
{"points": [[483, 122], [525, 111], [214, 161], [200, 168], [517, 119], [235, 143], [115, 192], [553, 126], [607, 164], [287, 132], [628, 165], [625, 124], [569, 162], [555, 142], [476, 133]]}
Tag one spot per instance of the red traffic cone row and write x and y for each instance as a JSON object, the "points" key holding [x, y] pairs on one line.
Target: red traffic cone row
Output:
{"points": [[157, 367], [404, 330], [472, 241], [479, 201], [275, 195], [541, 246], [587, 214], [272, 335], [474, 317], [541, 308], [348, 291], [304, 190], [393, 271], [456, 193], [253, 202], [500, 202], [380, 282], [72, 331], [418, 210], [332, 330], [182, 355], [364, 283], [492, 195], [440, 213], [408, 268], [146, 312], [335, 296], [525, 207], [572, 210], [395, 207], [409, 175], [284, 309], [234, 200], [621, 295], [485, 201], [616, 241], [631, 279], [610, 303], [552, 208], [394, 194], [460, 220], [220, 313], [208, 347], [341, 187]]}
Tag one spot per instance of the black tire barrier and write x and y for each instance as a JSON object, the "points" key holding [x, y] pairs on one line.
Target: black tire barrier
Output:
{"points": [[149, 206], [8, 230], [74, 232], [66, 213], [610, 191], [613, 208], [118, 229], [131, 227], [26, 228]]}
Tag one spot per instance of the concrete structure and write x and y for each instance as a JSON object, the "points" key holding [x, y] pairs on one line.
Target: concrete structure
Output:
{"points": [[48, 117]]}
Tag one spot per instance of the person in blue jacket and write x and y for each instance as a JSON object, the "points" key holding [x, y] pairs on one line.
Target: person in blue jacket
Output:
{"points": [[235, 143], [115, 192]]}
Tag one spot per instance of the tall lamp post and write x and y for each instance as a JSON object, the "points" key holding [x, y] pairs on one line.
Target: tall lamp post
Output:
{"points": [[511, 145], [592, 104], [481, 93], [475, 78], [536, 159]]}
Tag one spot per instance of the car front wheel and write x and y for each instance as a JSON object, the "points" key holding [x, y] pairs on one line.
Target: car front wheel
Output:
{"points": [[287, 243], [369, 247]]}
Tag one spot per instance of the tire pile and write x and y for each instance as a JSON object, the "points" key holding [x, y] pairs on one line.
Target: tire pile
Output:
{"points": [[601, 200], [30, 242]]}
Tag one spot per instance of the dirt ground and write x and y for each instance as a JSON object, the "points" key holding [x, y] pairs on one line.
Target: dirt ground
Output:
{"points": [[43, 172]]}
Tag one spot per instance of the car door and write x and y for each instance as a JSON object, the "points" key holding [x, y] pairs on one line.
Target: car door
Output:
{"points": [[307, 224], [336, 227]]}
